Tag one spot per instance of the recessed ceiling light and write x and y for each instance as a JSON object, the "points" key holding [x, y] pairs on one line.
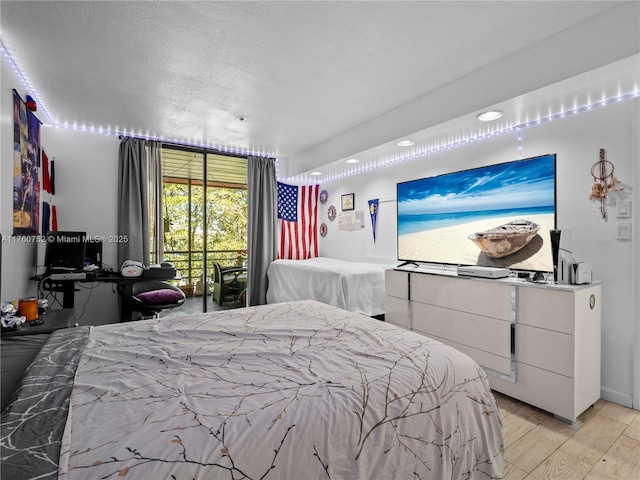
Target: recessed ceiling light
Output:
{"points": [[352, 160], [490, 115], [315, 173], [241, 118], [405, 143]]}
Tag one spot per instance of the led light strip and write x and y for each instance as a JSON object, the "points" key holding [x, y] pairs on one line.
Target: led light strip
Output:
{"points": [[520, 142], [25, 82], [304, 178], [107, 131], [153, 138]]}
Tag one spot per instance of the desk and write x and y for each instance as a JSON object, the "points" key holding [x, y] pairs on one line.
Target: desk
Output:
{"points": [[53, 320], [123, 284]]}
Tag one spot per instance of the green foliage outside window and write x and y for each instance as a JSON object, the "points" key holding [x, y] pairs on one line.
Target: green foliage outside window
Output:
{"points": [[184, 232]]}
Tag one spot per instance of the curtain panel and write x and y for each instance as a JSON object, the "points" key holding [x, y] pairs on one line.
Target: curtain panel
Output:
{"points": [[262, 228], [133, 201], [156, 217]]}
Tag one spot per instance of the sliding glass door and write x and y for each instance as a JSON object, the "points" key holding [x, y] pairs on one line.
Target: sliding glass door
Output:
{"points": [[204, 215]]}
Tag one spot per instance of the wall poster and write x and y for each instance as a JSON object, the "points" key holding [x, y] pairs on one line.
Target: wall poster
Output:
{"points": [[351, 221], [26, 167]]}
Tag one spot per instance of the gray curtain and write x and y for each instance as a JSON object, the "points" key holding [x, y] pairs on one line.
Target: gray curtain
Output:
{"points": [[154, 154], [262, 230], [133, 202]]}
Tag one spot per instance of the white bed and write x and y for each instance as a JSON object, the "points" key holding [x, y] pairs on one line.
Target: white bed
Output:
{"points": [[354, 286], [289, 391]]}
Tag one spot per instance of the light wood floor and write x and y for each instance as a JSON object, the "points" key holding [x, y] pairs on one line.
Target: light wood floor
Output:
{"points": [[539, 446]]}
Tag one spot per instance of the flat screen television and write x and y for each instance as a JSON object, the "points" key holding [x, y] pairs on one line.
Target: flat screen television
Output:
{"points": [[497, 216], [65, 251]]}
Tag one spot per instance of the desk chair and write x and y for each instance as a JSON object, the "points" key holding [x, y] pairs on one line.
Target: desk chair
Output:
{"points": [[229, 283], [150, 297]]}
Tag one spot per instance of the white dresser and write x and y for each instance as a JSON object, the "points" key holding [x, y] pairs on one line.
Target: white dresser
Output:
{"points": [[539, 343]]}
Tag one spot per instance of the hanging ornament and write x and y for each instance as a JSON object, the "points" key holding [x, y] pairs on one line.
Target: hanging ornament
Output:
{"points": [[603, 182]]}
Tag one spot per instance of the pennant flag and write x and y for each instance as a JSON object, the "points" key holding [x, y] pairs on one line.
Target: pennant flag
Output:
{"points": [[46, 178], [54, 218], [298, 214], [52, 177], [46, 218], [373, 210]]}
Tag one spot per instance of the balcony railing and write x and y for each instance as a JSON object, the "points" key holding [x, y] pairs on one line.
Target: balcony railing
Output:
{"points": [[189, 264]]}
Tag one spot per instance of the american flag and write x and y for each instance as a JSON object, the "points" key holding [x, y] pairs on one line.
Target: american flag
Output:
{"points": [[298, 214]]}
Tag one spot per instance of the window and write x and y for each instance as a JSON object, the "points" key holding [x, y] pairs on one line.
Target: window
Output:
{"points": [[204, 213]]}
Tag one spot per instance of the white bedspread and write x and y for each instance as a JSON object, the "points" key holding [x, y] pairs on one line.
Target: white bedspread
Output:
{"points": [[295, 391], [354, 286]]}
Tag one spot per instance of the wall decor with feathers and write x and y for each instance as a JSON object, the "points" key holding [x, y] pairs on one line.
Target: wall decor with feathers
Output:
{"points": [[603, 182]]}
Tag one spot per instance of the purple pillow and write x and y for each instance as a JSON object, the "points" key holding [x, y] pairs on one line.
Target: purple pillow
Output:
{"points": [[164, 295]]}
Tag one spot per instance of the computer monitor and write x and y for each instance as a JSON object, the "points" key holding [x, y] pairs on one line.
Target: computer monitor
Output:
{"points": [[65, 251]]}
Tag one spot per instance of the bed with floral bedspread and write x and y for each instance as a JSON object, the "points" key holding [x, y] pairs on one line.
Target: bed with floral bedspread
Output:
{"points": [[287, 391]]}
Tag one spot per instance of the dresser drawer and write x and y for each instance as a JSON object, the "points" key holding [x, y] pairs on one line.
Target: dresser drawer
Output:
{"points": [[478, 297], [553, 351]]}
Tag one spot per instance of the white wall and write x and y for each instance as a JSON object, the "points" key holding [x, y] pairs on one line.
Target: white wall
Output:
{"points": [[86, 200], [635, 127], [86, 167], [577, 141]]}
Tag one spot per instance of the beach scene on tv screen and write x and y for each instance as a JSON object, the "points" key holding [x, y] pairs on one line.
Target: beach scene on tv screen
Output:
{"points": [[499, 216]]}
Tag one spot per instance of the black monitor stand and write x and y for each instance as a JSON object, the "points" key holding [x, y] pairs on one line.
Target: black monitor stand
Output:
{"points": [[404, 264]]}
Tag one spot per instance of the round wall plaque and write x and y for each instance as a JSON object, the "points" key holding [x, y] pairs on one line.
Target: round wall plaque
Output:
{"points": [[332, 213], [324, 196], [323, 230]]}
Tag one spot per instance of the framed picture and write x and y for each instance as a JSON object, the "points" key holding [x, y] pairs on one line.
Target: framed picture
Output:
{"points": [[348, 202]]}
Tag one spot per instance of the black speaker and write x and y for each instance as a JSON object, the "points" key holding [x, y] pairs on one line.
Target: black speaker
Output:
{"points": [[555, 248]]}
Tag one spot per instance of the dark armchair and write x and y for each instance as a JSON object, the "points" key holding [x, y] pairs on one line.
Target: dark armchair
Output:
{"points": [[229, 284]]}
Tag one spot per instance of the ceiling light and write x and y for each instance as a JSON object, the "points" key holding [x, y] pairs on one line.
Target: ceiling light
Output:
{"points": [[241, 118], [352, 160], [490, 115], [405, 143], [316, 173]]}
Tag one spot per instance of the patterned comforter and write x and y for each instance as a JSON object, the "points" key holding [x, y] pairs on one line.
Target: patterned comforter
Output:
{"points": [[290, 391]]}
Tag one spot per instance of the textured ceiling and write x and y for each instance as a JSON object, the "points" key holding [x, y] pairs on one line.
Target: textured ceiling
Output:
{"points": [[303, 74]]}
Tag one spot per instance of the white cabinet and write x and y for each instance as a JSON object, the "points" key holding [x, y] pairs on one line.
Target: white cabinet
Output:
{"points": [[539, 343], [396, 298]]}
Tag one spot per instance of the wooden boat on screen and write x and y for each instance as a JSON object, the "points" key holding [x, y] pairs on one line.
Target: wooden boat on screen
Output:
{"points": [[505, 239]]}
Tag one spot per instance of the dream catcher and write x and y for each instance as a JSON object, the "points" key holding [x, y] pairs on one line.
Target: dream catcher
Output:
{"points": [[603, 182]]}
